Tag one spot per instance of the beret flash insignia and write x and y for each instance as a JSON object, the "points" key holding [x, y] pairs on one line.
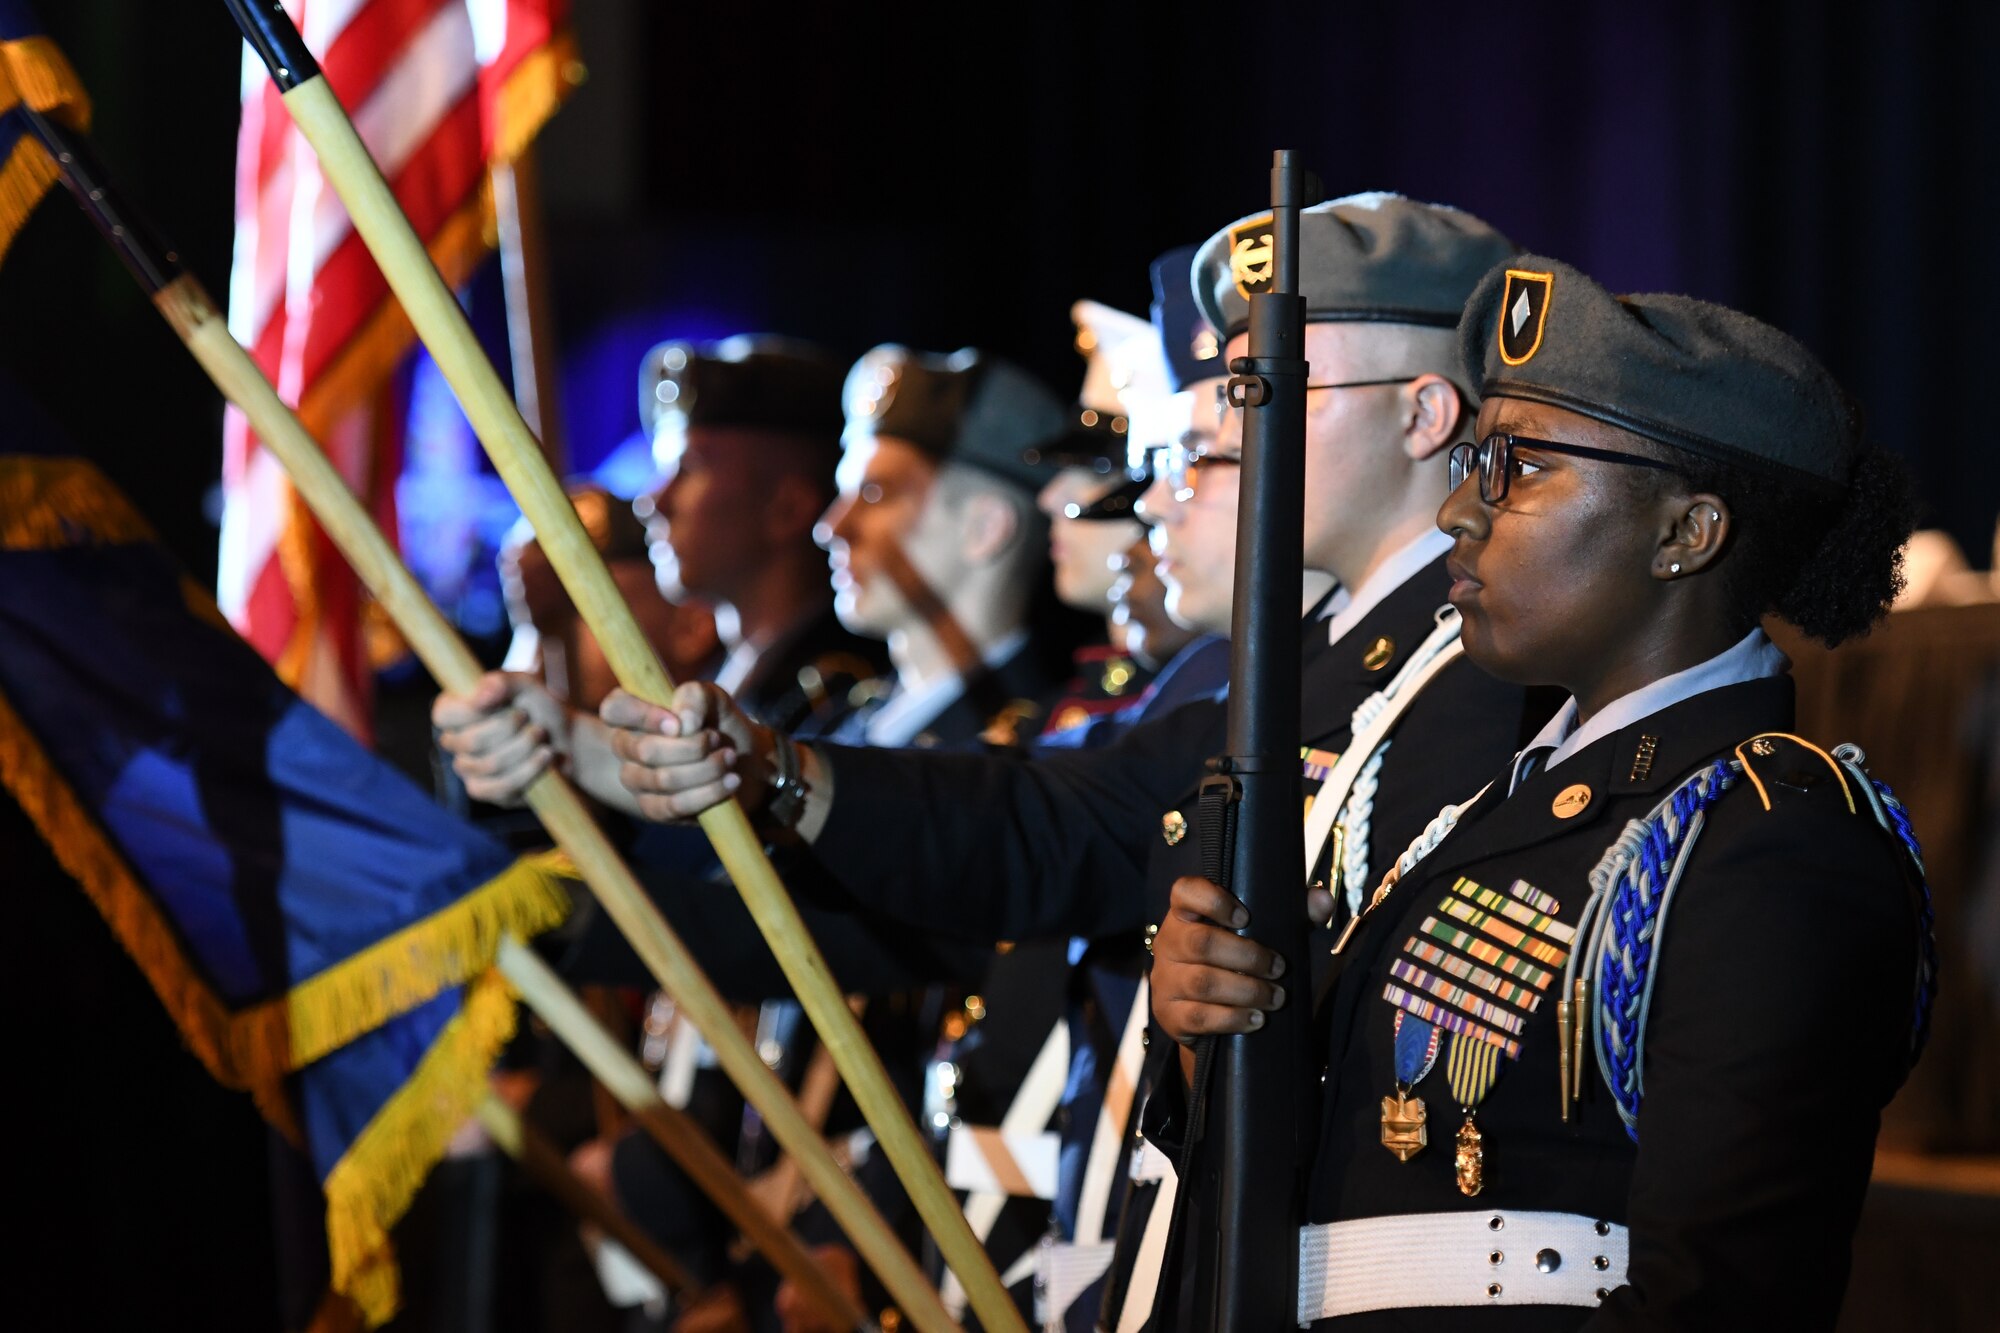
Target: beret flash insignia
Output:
{"points": [[1524, 309], [1250, 254]]}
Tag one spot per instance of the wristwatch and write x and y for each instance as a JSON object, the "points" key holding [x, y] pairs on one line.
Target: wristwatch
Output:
{"points": [[788, 788]]}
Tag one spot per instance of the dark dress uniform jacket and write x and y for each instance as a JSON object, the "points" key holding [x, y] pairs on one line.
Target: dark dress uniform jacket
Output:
{"points": [[1779, 1028], [805, 678], [1072, 844]]}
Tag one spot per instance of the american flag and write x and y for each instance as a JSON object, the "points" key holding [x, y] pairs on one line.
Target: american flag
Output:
{"points": [[438, 89]]}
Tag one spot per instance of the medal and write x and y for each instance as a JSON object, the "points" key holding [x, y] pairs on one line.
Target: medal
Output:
{"points": [[1403, 1131], [1473, 973], [1470, 1163], [1471, 1067], [1404, 1117]]}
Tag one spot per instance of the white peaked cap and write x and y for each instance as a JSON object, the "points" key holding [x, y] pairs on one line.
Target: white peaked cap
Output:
{"points": [[1123, 360]]}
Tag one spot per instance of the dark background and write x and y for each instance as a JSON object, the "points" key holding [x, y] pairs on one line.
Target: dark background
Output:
{"points": [[861, 175]]}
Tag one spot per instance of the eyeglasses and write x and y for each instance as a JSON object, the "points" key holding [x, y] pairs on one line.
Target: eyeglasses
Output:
{"points": [[1223, 401], [1179, 464], [1493, 459], [1360, 384]]}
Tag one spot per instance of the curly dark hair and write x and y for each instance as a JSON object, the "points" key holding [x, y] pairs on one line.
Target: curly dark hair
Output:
{"points": [[1828, 562]]}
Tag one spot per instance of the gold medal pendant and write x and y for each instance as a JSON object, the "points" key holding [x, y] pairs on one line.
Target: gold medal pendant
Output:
{"points": [[1403, 1125], [1471, 1159]]}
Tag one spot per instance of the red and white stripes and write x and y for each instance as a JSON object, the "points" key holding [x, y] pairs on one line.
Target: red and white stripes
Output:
{"points": [[437, 89]]}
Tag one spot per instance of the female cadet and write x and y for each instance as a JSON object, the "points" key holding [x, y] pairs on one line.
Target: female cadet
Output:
{"points": [[1608, 1048]]}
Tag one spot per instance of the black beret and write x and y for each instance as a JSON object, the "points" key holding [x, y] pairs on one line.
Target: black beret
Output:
{"points": [[752, 379], [1686, 373], [1194, 351], [968, 407], [1369, 257]]}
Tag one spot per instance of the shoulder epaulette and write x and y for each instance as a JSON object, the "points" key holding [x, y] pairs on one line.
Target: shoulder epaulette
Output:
{"points": [[1779, 763], [1633, 885]]}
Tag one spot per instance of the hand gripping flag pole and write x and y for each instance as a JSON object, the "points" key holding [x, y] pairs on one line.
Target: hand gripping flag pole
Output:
{"points": [[435, 314], [187, 307]]}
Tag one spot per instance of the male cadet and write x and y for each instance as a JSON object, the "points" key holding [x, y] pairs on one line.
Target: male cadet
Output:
{"points": [[550, 638], [937, 548], [746, 433], [936, 544], [1088, 843], [1089, 501]]}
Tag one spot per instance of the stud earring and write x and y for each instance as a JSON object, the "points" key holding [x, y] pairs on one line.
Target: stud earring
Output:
{"points": [[1714, 517], [1674, 568]]}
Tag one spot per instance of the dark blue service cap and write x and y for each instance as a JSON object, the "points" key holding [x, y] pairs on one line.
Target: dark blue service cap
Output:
{"points": [[968, 407], [1194, 349], [1689, 374]]}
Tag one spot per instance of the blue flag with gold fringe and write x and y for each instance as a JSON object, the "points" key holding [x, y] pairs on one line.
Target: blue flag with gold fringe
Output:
{"points": [[33, 72], [321, 932]]}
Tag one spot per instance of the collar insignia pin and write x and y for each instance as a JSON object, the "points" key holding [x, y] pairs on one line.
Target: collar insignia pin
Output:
{"points": [[1642, 761], [1571, 801], [1379, 653]]}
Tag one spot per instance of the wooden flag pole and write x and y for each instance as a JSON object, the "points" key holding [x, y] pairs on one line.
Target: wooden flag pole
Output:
{"points": [[558, 805], [187, 307], [685, 1141], [544, 1163], [435, 314]]}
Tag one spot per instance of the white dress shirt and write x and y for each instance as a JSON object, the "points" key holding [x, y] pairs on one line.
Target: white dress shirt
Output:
{"points": [[1390, 575], [1753, 657]]}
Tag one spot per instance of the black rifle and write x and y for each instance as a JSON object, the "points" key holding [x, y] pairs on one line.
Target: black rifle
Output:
{"points": [[1250, 1110]]}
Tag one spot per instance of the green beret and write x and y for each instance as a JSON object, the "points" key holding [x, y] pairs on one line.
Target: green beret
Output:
{"points": [[754, 380], [968, 407], [1368, 257], [1689, 374]]}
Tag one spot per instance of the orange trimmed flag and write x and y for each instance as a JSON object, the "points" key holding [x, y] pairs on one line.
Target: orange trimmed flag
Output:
{"points": [[439, 90]]}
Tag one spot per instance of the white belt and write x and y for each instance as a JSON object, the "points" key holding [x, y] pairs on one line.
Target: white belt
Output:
{"points": [[1433, 1259]]}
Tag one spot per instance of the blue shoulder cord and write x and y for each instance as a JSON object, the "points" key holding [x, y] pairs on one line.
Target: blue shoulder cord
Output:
{"points": [[1632, 888]]}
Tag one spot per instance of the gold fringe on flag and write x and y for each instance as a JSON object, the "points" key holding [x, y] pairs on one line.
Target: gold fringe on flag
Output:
{"points": [[24, 178], [371, 1187], [413, 965], [372, 1184], [82, 849], [260, 1044], [56, 503], [34, 70]]}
